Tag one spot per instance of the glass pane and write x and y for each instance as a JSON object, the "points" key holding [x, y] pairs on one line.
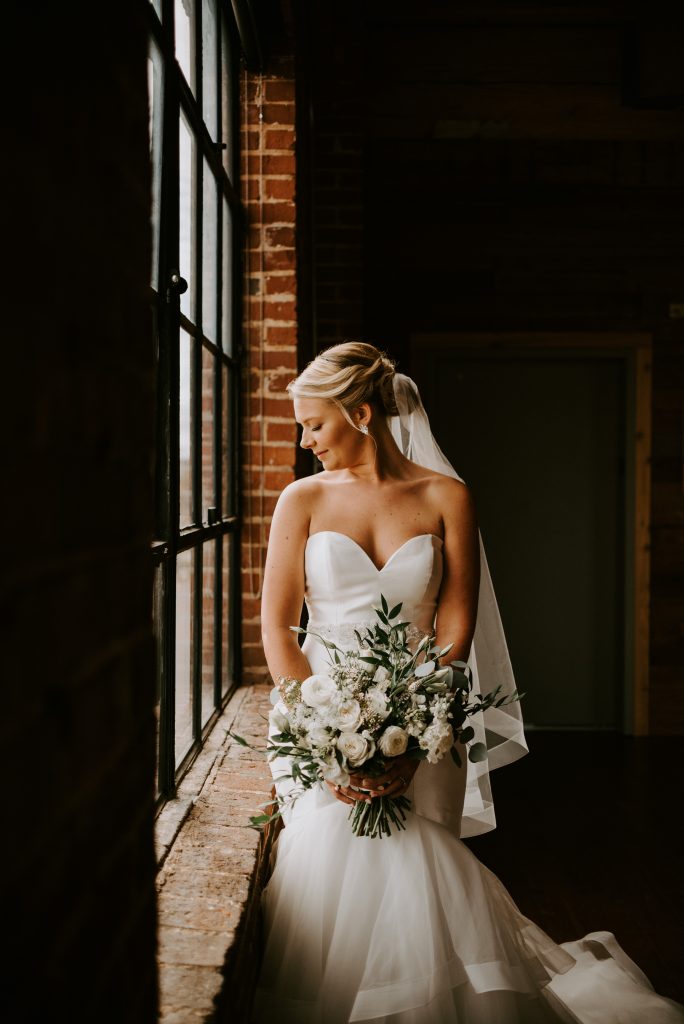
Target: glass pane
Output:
{"points": [[228, 79], [226, 651], [185, 429], [187, 227], [185, 39], [208, 485], [184, 587], [155, 69], [227, 280], [209, 254], [157, 624], [226, 441], [209, 551], [209, 70]]}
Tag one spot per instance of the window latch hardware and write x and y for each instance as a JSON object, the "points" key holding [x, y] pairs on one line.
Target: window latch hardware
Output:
{"points": [[177, 285]]}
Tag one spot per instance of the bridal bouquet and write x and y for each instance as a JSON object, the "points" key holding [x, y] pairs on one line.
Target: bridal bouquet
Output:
{"points": [[375, 702]]}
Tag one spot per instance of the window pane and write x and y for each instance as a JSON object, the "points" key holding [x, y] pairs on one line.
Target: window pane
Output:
{"points": [[228, 69], [209, 255], [226, 651], [187, 227], [157, 620], [209, 73], [226, 442], [185, 39], [208, 484], [227, 279], [208, 624], [184, 587], [186, 429], [155, 69]]}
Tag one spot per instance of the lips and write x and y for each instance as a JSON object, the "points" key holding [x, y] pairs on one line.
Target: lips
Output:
{"points": [[318, 454]]}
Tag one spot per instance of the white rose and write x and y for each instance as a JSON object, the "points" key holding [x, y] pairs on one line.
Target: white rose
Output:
{"points": [[348, 715], [356, 747], [393, 741], [336, 774], [318, 691]]}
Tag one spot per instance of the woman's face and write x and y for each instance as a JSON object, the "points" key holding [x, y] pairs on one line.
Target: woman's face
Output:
{"points": [[327, 433]]}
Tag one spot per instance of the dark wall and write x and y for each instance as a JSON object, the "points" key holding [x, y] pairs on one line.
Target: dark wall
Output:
{"points": [[511, 167], [78, 732]]}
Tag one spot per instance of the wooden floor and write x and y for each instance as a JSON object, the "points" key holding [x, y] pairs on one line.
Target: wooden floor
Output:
{"points": [[589, 837]]}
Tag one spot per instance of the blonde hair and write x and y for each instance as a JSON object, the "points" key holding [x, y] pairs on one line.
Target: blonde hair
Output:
{"points": [[347, 375]]}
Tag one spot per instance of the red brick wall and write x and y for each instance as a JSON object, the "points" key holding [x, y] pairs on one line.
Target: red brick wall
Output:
{"points": [[270, 325]]}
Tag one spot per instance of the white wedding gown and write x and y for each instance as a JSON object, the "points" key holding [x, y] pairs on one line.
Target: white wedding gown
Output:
{"points": [[412, 928]]}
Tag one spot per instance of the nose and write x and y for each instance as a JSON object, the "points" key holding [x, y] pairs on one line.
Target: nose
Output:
{"points": [[306, 442]]}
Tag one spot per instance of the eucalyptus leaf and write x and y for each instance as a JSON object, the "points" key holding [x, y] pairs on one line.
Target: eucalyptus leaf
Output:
{"points": [[456, 757], [478, 752], [395, 611], [385, 606]]}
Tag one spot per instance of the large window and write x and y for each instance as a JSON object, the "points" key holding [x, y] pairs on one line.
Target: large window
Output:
{"points": [[193, 85]]}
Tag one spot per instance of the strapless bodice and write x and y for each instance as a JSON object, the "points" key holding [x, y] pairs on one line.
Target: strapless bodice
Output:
{"points": [[343, 585]]}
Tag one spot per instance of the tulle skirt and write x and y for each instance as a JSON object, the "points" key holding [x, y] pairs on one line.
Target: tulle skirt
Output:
{"points": [[414, 929]]}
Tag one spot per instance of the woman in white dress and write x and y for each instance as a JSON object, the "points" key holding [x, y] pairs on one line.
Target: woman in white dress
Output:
{"points": [[411, 929]]}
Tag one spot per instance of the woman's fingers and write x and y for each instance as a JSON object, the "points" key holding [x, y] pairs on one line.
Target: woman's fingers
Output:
{"points": [[346, 795], [376, 781]]}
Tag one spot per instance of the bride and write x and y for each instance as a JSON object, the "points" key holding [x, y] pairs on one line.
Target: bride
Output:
{"points": [[412, 929]]}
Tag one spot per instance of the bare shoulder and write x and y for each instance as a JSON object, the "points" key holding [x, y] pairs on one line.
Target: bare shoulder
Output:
{"points": [[452, 498], [296, 503]]}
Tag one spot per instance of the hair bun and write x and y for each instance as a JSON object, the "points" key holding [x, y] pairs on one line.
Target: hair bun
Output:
{"points": [[350, 373]]}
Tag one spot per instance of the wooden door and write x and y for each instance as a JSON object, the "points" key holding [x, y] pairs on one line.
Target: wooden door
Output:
{"points": [[540, 439]]}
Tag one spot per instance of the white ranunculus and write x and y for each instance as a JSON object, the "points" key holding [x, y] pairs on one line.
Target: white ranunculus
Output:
{"points": [[318, 691], [356, 747], [348, 715], [336, 774], [393, 741], [377, 701]]}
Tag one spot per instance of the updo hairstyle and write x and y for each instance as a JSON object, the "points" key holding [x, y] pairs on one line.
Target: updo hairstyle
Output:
{"points": [[348, 374]]}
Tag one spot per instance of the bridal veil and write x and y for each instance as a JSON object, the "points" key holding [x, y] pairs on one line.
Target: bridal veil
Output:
{"points": [[500, 729]]}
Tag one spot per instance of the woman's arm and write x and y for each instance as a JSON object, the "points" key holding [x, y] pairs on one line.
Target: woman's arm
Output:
{"points": [[459, 591], [283, 590]]}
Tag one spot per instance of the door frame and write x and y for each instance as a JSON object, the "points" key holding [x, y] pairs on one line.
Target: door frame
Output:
{"points": [[635, 349]]}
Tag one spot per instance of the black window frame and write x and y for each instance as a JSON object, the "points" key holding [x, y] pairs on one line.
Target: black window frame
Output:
{"points": [[212, 524]]}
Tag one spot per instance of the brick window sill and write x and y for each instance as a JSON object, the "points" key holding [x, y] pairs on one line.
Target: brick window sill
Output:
{"points": [[212, 870]]}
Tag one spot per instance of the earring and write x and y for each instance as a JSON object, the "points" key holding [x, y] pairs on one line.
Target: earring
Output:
{"points": [[363, 428]]}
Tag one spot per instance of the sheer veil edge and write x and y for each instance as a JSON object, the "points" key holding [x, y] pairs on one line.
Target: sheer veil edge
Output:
{"points": [[500, 729]]}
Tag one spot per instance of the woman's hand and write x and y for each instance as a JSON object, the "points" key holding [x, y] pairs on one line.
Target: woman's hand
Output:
{"points": [[393, 782]]}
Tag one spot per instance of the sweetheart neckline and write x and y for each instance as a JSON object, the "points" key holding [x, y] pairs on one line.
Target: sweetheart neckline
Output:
{"points": [[363, 551]]}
